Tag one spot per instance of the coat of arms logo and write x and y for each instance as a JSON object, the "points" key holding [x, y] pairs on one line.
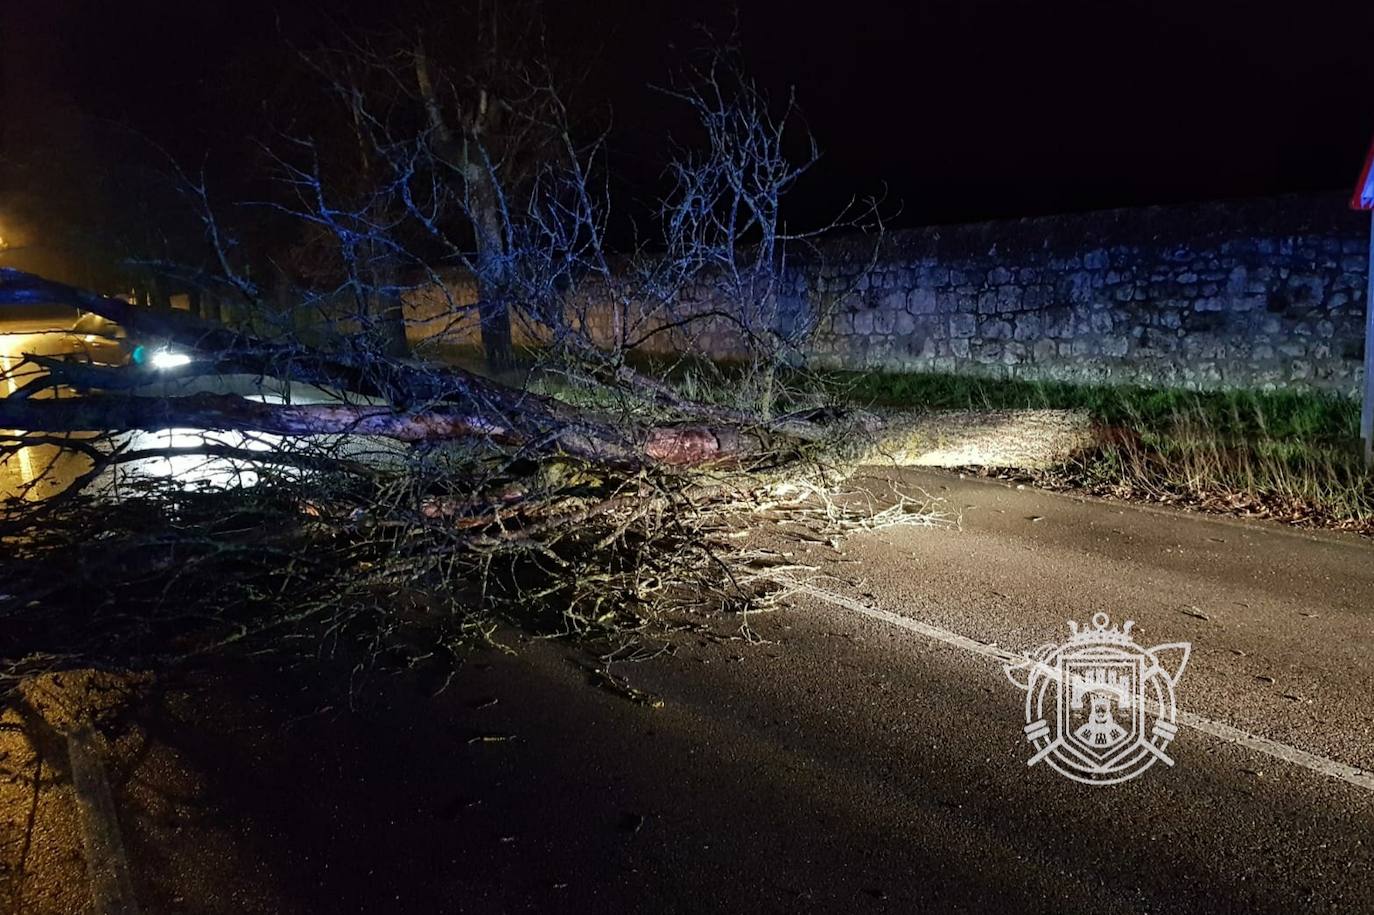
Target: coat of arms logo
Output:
{"points": [[1100, 708]]}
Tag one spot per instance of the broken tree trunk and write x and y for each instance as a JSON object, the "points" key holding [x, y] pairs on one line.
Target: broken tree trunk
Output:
{"points": [[671, 445], [407, 402]]}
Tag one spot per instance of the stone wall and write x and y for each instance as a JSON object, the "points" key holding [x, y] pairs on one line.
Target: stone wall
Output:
{"points": [[1259, 293], [1262, 293]]}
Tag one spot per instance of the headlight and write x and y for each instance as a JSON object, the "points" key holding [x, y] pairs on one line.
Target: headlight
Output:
{"points": [[166, 359]]}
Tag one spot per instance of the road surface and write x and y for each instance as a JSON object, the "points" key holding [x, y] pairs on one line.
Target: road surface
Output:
{"points": [[867, 755]]}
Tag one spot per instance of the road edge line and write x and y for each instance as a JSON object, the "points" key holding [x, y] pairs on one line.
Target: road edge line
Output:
{"points": [[1360, 778]]}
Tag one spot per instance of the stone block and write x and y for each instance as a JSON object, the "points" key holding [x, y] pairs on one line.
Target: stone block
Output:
{"points": [[1027, 327], [1037, 296], [1236, 281], [1115, 346], [962, 325], [922, 301], [996, 330]]}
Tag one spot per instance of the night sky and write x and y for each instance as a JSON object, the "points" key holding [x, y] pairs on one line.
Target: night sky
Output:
{"points": [[961, 109]]}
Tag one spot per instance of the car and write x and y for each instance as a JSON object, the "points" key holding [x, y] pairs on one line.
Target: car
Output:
{"points": [[98, 340]]}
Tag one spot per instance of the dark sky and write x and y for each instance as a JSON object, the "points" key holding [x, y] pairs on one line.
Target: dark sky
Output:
{"points": [[961, 108]]}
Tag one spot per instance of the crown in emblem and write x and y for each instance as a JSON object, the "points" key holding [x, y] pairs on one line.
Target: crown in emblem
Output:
{"points": [[1101, 632]]}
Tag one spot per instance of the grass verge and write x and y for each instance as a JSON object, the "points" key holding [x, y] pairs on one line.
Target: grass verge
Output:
{"points": [[1284, 455]]}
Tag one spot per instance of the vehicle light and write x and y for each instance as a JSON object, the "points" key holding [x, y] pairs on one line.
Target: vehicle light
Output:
{"points": [[166, 359]]}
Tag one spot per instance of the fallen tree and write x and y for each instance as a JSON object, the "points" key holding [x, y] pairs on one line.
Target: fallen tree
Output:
{"points": [[417, 403], [492, 501], [405, 505]]}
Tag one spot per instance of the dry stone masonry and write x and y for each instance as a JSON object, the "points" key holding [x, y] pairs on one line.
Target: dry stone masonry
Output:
{"points": [[1259, 293], [1264, 294]]}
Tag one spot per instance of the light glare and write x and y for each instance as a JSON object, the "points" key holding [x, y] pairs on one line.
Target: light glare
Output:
{"points": [[165, 359]]}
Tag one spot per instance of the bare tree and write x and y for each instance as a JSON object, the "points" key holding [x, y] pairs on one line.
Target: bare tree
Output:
{"points": [[596, 494], [727, 271], [472, 152]]}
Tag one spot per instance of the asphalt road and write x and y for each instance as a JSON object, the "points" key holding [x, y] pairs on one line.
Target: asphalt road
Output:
{"points": [[845, 763]]}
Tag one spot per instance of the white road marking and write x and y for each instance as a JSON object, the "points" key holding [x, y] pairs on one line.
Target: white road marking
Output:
{"points": [[1360, 778]]}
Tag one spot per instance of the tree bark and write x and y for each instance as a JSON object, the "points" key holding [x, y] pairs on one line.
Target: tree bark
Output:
{"points": [[389, 314], [494, 315], [422, 403], [680, 446], [484, 211]]}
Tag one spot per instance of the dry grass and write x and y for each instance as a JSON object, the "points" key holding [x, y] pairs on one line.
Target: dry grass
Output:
{"points": [[1285, 456]]}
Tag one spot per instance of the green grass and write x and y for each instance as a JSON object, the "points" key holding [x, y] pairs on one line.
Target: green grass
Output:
{"points": [[1278, 415], [1286, 455]]}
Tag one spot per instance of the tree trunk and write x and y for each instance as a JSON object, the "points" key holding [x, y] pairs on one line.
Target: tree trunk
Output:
{"points": [[494, 313], [390, 324], [158, 294], [493, 280], [422, 403], [493, 270], [683, 446]]}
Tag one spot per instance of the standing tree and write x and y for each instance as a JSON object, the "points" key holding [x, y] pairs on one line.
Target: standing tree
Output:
{"points": [[457, 136]]}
